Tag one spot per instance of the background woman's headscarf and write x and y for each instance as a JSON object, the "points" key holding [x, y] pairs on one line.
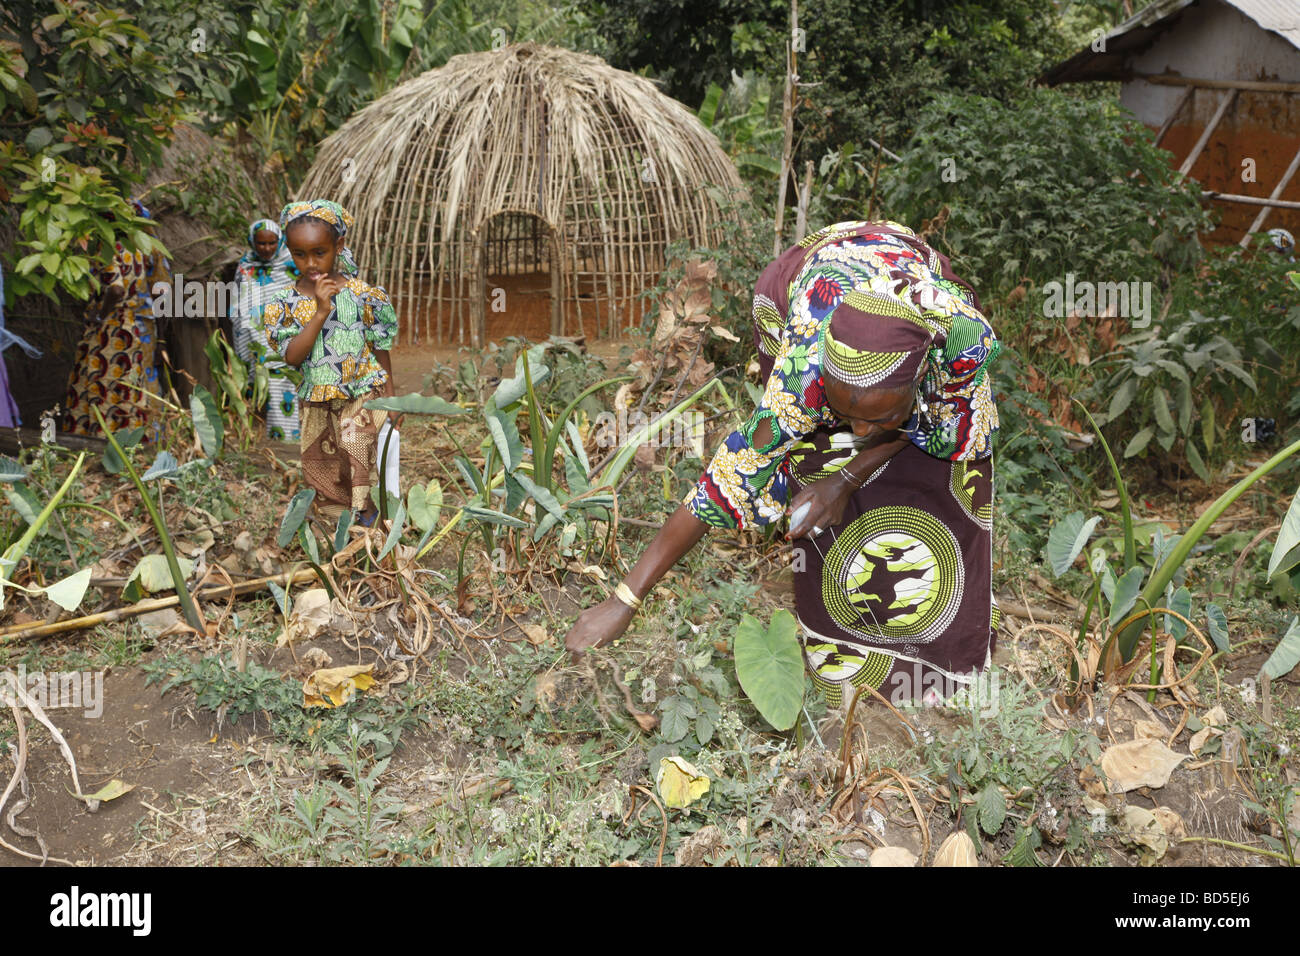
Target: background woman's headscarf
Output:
{"points": [[280, 260], [329, 212]]}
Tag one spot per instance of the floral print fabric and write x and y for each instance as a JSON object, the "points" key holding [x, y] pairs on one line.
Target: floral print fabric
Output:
{"points": [[745, 485], [342, 364]]}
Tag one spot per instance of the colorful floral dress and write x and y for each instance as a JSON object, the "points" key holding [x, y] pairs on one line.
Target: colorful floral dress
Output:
{"points": [[903, 585], [116, 358]]}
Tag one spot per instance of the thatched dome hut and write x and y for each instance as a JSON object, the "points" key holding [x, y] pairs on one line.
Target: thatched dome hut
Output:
{"points": [[524, 190]]}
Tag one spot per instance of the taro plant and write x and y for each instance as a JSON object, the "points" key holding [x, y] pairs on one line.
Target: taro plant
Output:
{"points": [[165, 465], [1137, 593], [512, 471], [66, 593]]}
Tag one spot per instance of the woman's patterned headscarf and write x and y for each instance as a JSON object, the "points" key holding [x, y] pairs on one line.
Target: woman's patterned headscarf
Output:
{"points": [[261, 268], [327, 211], [874, 341]]}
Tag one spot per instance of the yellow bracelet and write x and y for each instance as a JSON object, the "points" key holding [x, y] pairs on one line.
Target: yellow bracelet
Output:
{"points": [[624, 594]]}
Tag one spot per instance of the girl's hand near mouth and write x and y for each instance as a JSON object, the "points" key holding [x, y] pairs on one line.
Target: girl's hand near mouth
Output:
{"points": [[327, 286]]}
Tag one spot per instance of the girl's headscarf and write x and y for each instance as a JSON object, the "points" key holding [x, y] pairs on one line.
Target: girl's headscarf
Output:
{"points": [[875, 342], [327, 211], [280, 260]]}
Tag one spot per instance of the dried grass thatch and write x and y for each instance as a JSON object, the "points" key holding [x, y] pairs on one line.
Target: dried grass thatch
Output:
{"points": [[523, 160]]}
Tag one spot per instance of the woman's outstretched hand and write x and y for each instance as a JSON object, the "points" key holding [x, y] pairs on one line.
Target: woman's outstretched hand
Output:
{"points": [[597, 626], [826, 499]]}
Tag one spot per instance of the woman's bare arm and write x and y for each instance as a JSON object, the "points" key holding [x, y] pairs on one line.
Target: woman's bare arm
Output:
{"points": [[603, 623]]}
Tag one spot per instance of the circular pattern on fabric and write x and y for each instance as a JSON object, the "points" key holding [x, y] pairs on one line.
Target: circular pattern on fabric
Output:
{"points": [[894, 575], [962, 484]]}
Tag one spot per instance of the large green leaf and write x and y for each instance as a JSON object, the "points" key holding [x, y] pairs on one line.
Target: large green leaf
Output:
{"points": [[1287, 653], [152, 574], [207, 421], [1160, 405], [126, 438], [1066, 540], [1217, 622], [309, 543], [1286, 550], [512, 389], [424, 504], [413, 403], [294, 516], [1194, 459], [992, 809], [769, 665], [10, 470], [341, 531], [68, 593], [1126, 593], [164, 466], [1180, 601], [541, 496], [505, 435], [394, 532], [491, 516], [26, 503], [1121, 400], [1139, 441]]}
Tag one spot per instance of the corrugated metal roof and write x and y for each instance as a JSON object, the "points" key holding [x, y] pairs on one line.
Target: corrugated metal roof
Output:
{"points": [[1142, 29], [1280, 16]]}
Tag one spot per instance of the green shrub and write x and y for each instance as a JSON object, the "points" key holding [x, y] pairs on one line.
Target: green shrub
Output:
{"points": [[1043, 186]]}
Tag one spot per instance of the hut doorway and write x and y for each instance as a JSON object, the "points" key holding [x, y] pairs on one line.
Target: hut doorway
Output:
{"points": [[518, 278]]}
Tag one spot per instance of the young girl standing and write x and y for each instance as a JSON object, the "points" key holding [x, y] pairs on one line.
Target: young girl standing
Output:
{"points": [[337, 330]]}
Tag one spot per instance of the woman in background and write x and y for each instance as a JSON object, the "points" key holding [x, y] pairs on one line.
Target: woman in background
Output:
{"points": [[116, 366], [265, 269]]}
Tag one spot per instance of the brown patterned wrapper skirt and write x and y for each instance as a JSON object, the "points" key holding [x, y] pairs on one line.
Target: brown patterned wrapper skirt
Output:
{"points": [[339, 448], [898, 596]]}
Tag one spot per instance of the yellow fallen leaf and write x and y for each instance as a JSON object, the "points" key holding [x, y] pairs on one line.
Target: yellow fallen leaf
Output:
{"points": [[536, 635], [1139, 763], [892, 856], [680, 784], [109, 791], [311, 613], [1143, 828], [335, 686], [957, 850]]}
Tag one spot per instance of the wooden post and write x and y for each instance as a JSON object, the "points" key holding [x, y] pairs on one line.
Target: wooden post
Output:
{"points": [[557, 293], [787, 111], [805, 194], [1277, 194], [1228, 99], [478, 295], [1173, 114]]}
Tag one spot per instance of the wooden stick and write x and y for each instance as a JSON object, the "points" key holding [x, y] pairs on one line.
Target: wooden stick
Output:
{"points": [[1276, 195], [1228, 99], [12, 635], [1252, 200], [1257, 86], [787, 109], [1173, 114]]}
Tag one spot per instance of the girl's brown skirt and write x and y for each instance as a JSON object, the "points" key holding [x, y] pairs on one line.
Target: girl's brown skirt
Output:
{"points": [[339, 440]]}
